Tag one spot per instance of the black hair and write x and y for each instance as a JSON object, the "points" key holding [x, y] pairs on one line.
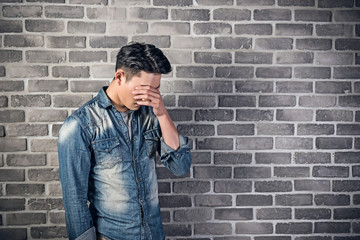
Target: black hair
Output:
{"points": [[136, 57]]}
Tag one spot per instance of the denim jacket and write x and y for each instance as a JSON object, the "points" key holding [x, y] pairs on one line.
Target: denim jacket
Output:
{"points": [[108, 180]]}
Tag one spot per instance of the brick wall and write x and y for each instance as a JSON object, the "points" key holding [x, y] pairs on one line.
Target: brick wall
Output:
{"points": [[267, 90]]}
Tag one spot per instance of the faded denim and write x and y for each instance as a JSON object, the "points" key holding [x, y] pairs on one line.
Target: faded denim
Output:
{"points": [[108, 180]]}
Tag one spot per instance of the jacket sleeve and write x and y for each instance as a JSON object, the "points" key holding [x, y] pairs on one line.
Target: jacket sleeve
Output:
{"points": [[74, 168], [177, 161]]}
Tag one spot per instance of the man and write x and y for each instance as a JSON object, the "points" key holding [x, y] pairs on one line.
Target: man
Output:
{"points": [[107, 152]]}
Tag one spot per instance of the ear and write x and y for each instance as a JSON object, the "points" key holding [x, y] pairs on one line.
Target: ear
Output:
{"points": [[120, 77]]}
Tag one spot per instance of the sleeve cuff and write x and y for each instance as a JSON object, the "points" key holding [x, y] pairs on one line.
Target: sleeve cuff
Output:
{"points": [[166, 150], [89, 234]]}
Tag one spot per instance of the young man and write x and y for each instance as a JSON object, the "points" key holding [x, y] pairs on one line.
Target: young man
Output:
{"points": [[107, 152]]}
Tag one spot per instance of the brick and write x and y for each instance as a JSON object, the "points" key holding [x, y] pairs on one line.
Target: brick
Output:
{"points": [[197, 101], [212, 200], [332, 199], [315, 129], [272, 158], [215, 143], [55, 130], [334, 115], [71, 100], [45, 56], [235, 72], [313, 44], [25, 189], [294, 87], [275, 129], [215, 2], [84, 86], [313, 15], [254, 200], [126, 28], [346, 185], [214, 115], [12, 204], [311, 158], [102, 71], [192, 215], [229, 14], [274, 43], [27, 71], [47, 85], [312, 185], [175, 201], [48, 1], [212, 228], [64, 12], [332, 227], [252, 172], [27, 130], [213, 172], [273, 213], [213, 57], [293, 200], [212, 28], [48, 174], [233, 43], [148, 13], [2, 134], [272, 14], [294, 57], [277, 101], [2, 71], [332, 87], [86, 27], [347, 16], [191, 42], [253, 57], [25, 218], [232, 158], [342, 30], [254, 115], [335, 4], [253, 228], [170, 28], [109, 13], [90, 2], [203, 86], [236, 101], [172, 3], [253, 29], [14, 233], [11, 26], [44, 26], [43, 145], [196, 130], [12, 175], [25, 160], [347, 157], [303, 3], [38, 115], [87, 56], [191, 187], [12, 144], [349, 101], [348, 129], [234, 214], [329, 58], [201, 157], [346, 72], [333, 143], [48, 232], [12, 116], [293, 228], [159, 41], [346, 213], [22, 11], [293, 172], [330, 171], [356, 171], [30, 100], [57, 217], [293, 29], [66, 42], [237, 129], [169, 100], [177, 230], [107, 42], [55, 189], [70, 72], [194, 72], [312, 72], [10, 56], [190, 14], [179, 56], [237, 186], [255, 2], [178, 115], [253, 86], [3, 101], [254, 143], [293, 143]]}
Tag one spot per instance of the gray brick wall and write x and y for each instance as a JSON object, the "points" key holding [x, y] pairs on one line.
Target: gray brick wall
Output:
{"points": [[268, 92]]}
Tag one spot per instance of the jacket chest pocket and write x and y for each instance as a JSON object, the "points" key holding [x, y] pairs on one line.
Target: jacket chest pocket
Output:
{"points": [[107, 152], [152, 141]]}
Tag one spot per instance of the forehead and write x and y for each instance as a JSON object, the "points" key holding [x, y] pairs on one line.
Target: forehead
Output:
{"points": [[152, 79]]}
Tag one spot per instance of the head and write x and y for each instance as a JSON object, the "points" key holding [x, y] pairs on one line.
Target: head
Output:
{"points": [[138, 64]]}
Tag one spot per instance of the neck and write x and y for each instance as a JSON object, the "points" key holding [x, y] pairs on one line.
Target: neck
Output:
{"points": [[111, 92]]}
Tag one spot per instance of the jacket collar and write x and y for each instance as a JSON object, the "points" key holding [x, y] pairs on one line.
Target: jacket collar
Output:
{"points": [[104, 100]]}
